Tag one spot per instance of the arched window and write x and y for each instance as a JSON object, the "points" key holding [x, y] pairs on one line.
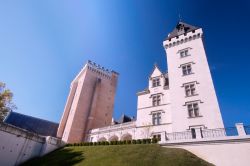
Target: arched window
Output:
{"points": [[113, 138], [126, 136]]}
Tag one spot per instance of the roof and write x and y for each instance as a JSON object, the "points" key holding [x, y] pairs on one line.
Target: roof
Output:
{"points": [[32, 124], [124, 118], [154, 70], [180, 29]]}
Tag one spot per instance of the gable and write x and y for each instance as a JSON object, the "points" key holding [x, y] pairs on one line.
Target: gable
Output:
{"points": [[156, 72]]}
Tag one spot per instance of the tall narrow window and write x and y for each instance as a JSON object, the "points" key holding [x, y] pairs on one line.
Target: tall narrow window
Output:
{"points": [[156, 100], [156, 82], [193, 133], [184, 53], [193, 110], [156, 118], [190, 89], [186, 69]]}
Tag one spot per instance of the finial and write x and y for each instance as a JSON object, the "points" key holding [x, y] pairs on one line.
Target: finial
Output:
{"points": [[179, 17], [155, 64]]}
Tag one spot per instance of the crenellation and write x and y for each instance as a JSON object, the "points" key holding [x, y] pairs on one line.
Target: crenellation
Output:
{"points": [[88, 98], [184, 38]]}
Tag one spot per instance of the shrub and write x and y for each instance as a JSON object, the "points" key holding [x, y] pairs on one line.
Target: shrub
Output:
{"points": [[103, 143], [106, 143], [115, 142], [154, 140], [133, 141], [99, 143], [68, 145], [149, 141], [95, 143], [128, 142], [138, 141], [144, 141]]}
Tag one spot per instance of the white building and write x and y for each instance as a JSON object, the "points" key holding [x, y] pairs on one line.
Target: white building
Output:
{"points": [[183, 100]]}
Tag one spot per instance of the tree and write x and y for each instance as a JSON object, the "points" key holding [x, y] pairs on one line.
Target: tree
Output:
{"points": [[6, 104]]}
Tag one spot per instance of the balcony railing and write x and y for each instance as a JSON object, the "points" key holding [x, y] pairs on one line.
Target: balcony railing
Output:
{"points": [[205, 133]]}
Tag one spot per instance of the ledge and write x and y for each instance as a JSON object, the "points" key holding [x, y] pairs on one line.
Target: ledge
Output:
{"points": [[202, 141]]}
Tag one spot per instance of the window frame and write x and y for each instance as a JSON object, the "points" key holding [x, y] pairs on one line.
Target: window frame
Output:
{"points": [[193, 110], [184, 53], [190, 89], [156, 118], [186, 69], [156, 100], [156, 82]]}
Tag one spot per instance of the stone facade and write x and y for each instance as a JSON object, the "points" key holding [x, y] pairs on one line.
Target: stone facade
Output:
{"points": [[90, 103], [182, 100]]}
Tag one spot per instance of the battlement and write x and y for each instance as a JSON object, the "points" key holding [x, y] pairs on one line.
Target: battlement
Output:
{"points": [[100, 69], [184, 38]]}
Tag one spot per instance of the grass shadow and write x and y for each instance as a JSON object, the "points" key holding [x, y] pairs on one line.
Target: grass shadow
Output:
{"points": [[63, 156]]}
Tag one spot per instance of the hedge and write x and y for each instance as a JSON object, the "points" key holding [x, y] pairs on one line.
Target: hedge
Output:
{"points": [[124, 142]]}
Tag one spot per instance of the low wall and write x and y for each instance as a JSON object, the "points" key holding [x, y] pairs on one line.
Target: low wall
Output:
{"points": [[18, 145], [228, 151]]}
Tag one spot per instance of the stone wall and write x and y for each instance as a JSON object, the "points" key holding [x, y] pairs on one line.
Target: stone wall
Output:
{"points": [[18, 145], [224, 152]]}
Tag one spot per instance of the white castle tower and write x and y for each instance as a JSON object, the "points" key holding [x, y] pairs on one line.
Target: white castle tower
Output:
{"points": [[178, 104], [194, 104]]}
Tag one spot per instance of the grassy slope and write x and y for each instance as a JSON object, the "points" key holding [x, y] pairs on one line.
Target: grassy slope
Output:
{"points": [[119, 155]]}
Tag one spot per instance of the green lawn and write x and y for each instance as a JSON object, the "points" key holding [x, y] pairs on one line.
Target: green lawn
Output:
{"points": [[118, 155]]}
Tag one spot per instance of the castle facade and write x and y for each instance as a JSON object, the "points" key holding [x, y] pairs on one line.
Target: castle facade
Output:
{"points": [[182, 100]]}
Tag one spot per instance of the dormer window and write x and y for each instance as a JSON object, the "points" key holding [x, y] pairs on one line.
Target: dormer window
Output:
{"points": [[156, 82], [181, 30]]}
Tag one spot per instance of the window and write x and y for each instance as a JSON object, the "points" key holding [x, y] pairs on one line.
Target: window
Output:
{"points": [[156, 100], [156, 118], [193, 133], [156, 82], [186, 69], [193, 110], [190, 89], [184, 53]]}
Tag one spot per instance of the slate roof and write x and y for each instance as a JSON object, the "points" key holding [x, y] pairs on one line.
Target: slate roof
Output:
{"points": [[32, 124], [124, 118], [178, 31]]}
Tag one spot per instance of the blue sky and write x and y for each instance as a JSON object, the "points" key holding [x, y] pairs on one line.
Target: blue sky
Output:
{"points": [[44, 44]]}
